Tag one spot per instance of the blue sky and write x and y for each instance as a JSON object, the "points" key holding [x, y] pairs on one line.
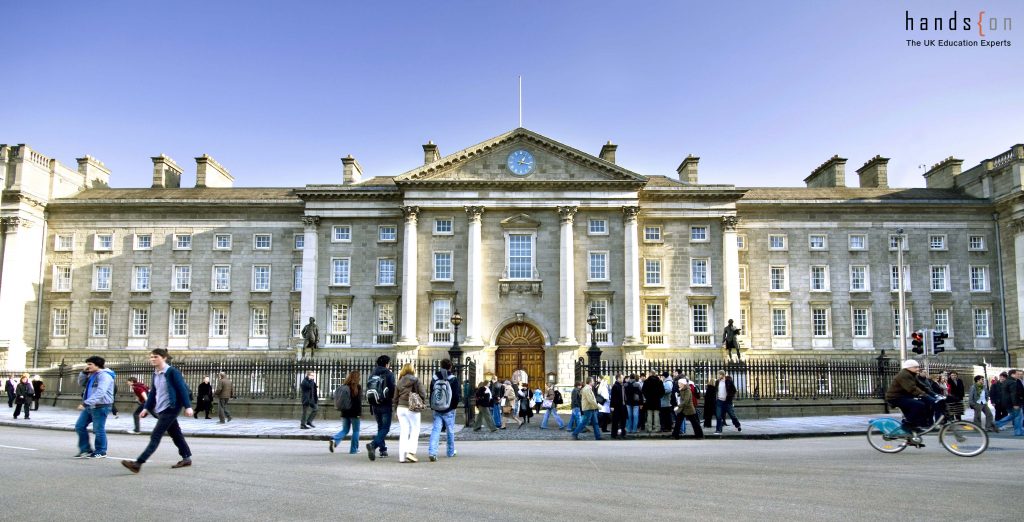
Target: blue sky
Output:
{"points": [[762, 91]]}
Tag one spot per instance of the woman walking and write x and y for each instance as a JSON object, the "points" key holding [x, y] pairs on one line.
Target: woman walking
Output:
{"points": [[550, 406], [525, 404], [23, 396], [350, 416], [955, 400], [508, 408], [411, 400], [204, 398]]}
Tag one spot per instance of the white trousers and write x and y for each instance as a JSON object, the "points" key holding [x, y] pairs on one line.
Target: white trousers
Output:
{"points": [[409, 433]]}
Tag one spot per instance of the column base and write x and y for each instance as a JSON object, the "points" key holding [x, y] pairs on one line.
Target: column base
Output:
{"points": [[568, 342]]}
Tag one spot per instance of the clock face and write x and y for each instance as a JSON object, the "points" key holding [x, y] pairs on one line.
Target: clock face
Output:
{"points": [[520, 162]]}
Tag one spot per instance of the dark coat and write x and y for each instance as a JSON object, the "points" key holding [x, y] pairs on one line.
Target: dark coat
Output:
{"points": [[998, 393], [1014, 389], [730, 389], [710, 396], [24, 393], [357, 404], [653, 390], [618, 397], [634, 397], [309, 392], [389, 384], [484, 399], [956, 389], [204, 396], [177, 392]]}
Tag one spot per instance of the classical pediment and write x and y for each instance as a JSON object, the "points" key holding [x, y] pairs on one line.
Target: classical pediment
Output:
{"points": [[554, 164], [520, 221]]}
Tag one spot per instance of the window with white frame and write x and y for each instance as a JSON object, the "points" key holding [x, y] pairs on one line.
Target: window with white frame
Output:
{"points": [[221, 278], [139, 318], [143, 241], [700, 319], [385, 272], [182, 278], [103, 242], [819, 278], [387, 233], [699, 272], [780, 322], [340, 268], [937, 242], [981, 322], [858, 241], [779, 278], [261, 278], [141, 278], [652, 272], [777, 242], [222, 241], [182, 241], [220, 319], [599, 307], [100, 322], [820, 322], [63, 242], [61, 278], [440, 323], [653, 323], [385, 324], [979, 278], [520, 256], [339, 323], [743, 279], [976, 243], [597, 227], [298, 241], [861, 321], [259, 321], [261, 241], [940, 278], [652, 234], [942, 322], [296, 278], [341, 234], [296, 322], [894, 241], [179, 321], [443, 266], [60, 321], [699, 234], [908, 327], [859, 278], [744, 319], [101, 276], [443, 226], [817, 241], [597, 266], [894, 278], [741, 241]]}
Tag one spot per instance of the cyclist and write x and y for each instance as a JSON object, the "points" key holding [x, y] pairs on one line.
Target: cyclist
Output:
{"points": [[912, 397]]}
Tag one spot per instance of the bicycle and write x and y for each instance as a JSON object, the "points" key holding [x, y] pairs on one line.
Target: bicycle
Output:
{"points": [[959, 437]]}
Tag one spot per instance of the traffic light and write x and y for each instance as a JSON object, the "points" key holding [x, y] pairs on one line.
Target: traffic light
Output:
{"points": [[918, 341], [938, 339]]}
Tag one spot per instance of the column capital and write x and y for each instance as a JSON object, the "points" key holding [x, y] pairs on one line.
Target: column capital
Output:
{"points": [[729, 223], [10, 224], [410, 212], [567, 213], [630, 213], [1015, 225], [311, 221], [474, 213]]}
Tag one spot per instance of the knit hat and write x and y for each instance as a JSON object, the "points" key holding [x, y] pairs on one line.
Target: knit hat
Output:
{"points": [[910, 363]]}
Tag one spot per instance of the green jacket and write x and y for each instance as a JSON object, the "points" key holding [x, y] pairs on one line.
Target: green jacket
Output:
{"points": [[905, 384]]}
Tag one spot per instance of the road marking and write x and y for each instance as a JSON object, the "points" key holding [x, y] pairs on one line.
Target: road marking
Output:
{"points": [[18, 448]]}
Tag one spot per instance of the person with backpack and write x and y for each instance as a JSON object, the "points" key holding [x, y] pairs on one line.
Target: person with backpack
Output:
{"points": [[550, 404], [444, 400], [140, 390], [380, 391], [687, 410], [484, 405], [310, 400], [411, 401], [347, 401]]}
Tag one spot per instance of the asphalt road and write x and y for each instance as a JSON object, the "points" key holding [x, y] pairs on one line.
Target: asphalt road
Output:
{"points": [[253, 479]]}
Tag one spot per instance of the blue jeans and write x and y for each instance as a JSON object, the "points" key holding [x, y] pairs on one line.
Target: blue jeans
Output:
{"points": [[632, 418], [166, 422], [346, 424], [722, 408], [552, 413], [575, 418], [589, 418], [496, 414], [98, 418], [1016, 416], [448, 419], [383, 416]]}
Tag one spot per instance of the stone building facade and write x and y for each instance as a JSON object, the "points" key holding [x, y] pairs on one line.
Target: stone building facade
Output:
{"points": [[525, 236]]}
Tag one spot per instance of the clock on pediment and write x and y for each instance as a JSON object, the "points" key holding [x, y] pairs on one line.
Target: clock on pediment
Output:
{"points": [[520, 162]]}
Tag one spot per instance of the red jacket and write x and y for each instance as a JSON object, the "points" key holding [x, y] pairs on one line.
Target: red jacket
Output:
{"points": [[138, 389]]}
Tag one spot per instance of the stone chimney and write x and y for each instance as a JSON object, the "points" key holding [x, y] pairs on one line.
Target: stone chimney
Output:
{"points": [[687, 170], [874, 173], [94, 172], [430, 153], [166, 173], [211, 174], [353, 172], [832, 173], [608, 151], [943, 174]]}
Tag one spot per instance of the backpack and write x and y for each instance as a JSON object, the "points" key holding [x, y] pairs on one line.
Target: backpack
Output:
{"points": [[695, 393], [558, 398], [483, 397], [343, 398], [441, 395], [376, 390]]}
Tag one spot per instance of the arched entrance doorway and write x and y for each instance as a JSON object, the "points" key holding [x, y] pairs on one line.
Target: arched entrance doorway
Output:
{"points": [[520, 347]]}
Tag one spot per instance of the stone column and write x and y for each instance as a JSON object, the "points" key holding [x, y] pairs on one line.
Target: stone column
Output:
{"points": [[310, 254], [631, 243], [474, 279], [19, 271], [566, 279], [730, 271], [409, 274]]}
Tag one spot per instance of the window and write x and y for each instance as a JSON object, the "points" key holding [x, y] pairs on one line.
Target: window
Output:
{"points": [[937, 242], [861, 322], [744, 315], [143, 241], [777, 242], [222, 241], [699, 234], [182, 278], [63, 242], [387, 233], [819, 322], [101, 278], [219, 320], [296, 278], [597, 227], [520, 256], [652, 234], [100, 322], [440, 321], [299, 241], [340, 271], [341, 234], [858, 242], [598, 266], [139, 322], [743, 279], [979, 278], [779, 278], [385, 272], [599, 307], [652, 272], [653, 323], [179, 321], [261, 241], [908, 326], [700, 319], [859, 278], [385, 324], [940, 278], [942, 323], [221, 278], [140, 278], [296, 322], [981, 323], [103, 242], [443, 226], [339, 324], [818, 242], [894, 278], [741, 241], [819, 278], [60, 322], [61, 278], [699, 272], [259, 322], [443, 266], [182, 241], [894, 240], [976, 243], [780, 322], [261, 278]]}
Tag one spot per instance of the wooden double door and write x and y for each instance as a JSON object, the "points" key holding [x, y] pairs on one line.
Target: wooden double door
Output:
{"points": [[520, 347]]}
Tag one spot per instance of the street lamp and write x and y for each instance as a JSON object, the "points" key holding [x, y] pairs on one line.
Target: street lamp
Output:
{"points": [[455, 353], [594, 353]]}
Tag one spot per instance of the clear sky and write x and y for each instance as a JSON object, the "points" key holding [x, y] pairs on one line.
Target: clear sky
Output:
{"points": [[763, 91]]}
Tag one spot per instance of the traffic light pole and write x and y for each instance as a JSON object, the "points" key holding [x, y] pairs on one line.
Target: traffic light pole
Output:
{"points": [[902, 302]]}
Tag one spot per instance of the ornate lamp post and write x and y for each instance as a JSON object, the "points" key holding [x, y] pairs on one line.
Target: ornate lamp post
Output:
{"points": [[455, 353], [594, 353]]}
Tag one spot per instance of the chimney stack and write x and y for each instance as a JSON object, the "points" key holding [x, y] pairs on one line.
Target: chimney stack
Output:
{"points": [[211, 174], [830, 174], [94, 172], [166, 173], [353, 172], [874, 173], [943, 174], [430, 153], [608, 152], [687, 170]]}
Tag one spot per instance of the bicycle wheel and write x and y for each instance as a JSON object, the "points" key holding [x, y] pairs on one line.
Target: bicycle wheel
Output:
{"points": [[963, 439], [884, 443]]}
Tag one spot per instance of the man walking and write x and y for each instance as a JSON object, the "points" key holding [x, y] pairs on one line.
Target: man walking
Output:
{"points": [[1013, 391], [380, 392], [141, 392], [96, 402], [167, 395], [224, 392], [310, 400], [726, 392], [589, 406], [444, 414]]}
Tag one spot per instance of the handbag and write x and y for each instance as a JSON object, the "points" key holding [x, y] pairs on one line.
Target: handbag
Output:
{"points": [[415, 402], [546, 404], [506, 410]]}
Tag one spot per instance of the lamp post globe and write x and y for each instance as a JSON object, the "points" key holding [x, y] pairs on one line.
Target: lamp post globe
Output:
{"points": [[455, 353]]}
